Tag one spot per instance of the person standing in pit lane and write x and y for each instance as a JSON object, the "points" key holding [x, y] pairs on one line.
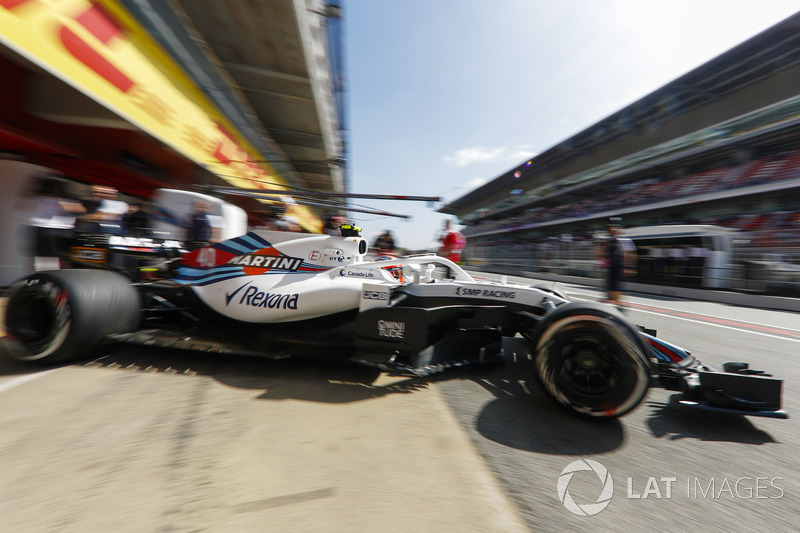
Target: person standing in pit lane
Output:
{"points": [[199, 233], [620, 259], [331, 225], [452, 243], [136, 222], [52, 224], [108, 215], [384, 244]]}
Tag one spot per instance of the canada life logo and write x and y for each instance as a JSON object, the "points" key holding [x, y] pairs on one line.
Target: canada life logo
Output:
{"points": [[586, 509]]}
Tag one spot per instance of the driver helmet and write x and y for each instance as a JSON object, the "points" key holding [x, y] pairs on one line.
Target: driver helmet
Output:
{"points": [[396, 271]]}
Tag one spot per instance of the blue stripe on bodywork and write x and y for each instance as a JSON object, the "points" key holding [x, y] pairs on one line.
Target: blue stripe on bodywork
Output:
{"points": [[243, 244], [665, 351], [194, 276]]}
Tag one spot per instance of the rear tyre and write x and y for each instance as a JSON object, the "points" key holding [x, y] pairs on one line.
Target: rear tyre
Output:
{"points": [[63, 315], [591, 360]]}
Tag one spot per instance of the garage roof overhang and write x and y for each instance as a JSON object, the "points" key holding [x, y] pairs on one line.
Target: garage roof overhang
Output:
{"points": [[271, 68]]}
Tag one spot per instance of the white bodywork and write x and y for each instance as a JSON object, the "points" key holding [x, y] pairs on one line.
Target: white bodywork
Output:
{"points": [[269, 277], [173, 210]]}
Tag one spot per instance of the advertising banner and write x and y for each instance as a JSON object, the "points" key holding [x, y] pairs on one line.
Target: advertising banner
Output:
{"points": [[102, 51]]}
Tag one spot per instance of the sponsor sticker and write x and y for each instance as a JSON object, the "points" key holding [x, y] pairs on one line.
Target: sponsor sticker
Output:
{"points": [[252, 296], [365, 274], [141, 242], [373, 295], [93, 255], [265, 260], [486, 293], [391, 329]]}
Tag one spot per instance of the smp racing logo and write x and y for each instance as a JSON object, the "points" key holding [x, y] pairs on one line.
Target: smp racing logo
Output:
{"points": [[265, 260], [485, 293], [254, 297]]}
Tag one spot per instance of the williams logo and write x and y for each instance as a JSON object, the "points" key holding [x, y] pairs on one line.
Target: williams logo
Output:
{"points": [[254, 297]]}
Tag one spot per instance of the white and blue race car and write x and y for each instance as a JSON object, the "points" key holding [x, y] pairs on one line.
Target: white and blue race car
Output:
{"points": [[274, 294]]}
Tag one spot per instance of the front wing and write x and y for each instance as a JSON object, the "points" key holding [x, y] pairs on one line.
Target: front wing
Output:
{"points": [[737, 389]]}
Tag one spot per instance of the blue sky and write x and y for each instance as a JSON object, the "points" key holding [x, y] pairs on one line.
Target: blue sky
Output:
{"points": [[444, 95]]}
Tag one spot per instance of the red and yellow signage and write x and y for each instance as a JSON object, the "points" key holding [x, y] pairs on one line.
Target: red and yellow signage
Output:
{"points": [[99, 49]]}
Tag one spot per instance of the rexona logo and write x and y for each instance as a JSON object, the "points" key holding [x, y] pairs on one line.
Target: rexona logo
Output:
{"points": [[265, 260], [586, 509], [254, 297]]}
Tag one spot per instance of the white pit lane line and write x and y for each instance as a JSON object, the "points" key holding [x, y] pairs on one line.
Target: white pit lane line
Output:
{"points": [[588, 297], [15, 382], [705, 323], [593, 298]]}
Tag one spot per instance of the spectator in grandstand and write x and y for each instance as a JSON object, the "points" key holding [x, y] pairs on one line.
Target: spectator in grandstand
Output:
{"points": [[620, 260], [453, 243], [107, 216]]}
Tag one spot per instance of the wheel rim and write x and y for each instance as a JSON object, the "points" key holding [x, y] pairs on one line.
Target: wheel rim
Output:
{"points": [[589, 372], [587, 368], [589, 364], [39, 322]]}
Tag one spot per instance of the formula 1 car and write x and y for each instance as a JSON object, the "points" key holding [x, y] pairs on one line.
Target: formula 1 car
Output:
{"points": [[135, 257], [274, 294]]}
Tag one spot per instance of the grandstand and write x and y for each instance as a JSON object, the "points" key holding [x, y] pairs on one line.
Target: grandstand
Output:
{"points": [[719, 145]]}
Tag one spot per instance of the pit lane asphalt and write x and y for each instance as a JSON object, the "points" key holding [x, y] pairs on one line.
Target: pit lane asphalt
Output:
{"points": [[144, 440], [152, 440], [662, 459]]}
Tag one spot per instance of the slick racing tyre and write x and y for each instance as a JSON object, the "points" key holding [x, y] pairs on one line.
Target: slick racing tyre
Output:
{"points": [[591, 360], [59, 316]]}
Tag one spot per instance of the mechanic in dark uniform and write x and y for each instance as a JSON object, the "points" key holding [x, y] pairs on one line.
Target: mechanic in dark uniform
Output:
{"points": [[200, 229], [385, 243], [620, 255], [331, 225]]}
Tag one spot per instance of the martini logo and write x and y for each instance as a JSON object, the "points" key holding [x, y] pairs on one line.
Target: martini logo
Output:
{"points": [[265, 260]]}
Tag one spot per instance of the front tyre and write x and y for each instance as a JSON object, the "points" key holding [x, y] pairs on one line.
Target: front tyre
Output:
{"points": [[591, 360], [59, 316]]}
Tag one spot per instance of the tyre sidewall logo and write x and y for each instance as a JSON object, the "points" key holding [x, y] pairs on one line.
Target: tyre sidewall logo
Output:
{"points": [[587, 509]]}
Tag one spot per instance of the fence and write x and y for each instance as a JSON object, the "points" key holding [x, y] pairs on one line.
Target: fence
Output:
{"points": [[758, 269]]}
